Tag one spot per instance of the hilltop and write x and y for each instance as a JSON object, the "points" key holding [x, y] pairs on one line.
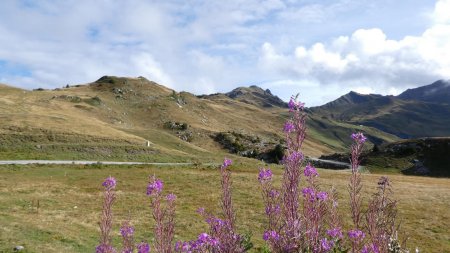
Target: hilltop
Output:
{"points": [[252, 95]]}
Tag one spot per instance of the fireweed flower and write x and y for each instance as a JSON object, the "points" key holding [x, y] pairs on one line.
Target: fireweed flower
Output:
{"points": [[171, 197], [294, 105], [293, 157], [335, 233], [127, 231], [201, 211], [371, 248], [322, 195], [273, 209], [109, 183], [271, 235], [102, 248], [288, 127], [226, 162], [143, 247], [274, 194], [154, 187], [264, 175], [308, 192], [326, 245], [203, 237], [310, 171], [356, 235], [359, 137]]}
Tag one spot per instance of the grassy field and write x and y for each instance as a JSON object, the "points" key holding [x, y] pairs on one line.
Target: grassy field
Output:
{"points": [[57, 208]]}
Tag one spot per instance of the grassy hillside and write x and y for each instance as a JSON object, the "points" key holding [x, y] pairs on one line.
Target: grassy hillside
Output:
{"points": [[113, 118]]}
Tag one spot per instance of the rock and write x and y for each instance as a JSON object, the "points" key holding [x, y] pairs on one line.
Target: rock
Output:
{"points": [[18, 248]]}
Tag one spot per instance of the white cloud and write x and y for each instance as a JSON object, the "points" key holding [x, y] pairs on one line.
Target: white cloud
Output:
{"points": [[213, 46], [368, 61], [441, 13]]}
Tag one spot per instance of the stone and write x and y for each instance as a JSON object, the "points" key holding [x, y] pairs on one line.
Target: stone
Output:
{"points": [[18, 248]]}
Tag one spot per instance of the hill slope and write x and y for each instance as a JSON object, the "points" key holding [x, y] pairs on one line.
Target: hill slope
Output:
{"points": [[437, 92], [115, 118], [421, 112]]}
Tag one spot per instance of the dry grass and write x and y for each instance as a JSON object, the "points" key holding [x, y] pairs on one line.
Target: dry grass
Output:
{"points": [[70, 201], [140, 112]]}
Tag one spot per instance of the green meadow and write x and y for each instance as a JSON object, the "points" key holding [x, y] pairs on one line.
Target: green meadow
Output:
{"points": [[48, 208]]}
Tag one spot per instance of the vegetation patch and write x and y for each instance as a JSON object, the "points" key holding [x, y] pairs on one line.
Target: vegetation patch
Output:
{"points": [[181, 130], [251, 146]]}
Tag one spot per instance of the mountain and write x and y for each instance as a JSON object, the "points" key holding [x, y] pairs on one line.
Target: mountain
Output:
{"points": [[351, 99], [253, 95], [437, 92], [420, 112], [119, 118]]}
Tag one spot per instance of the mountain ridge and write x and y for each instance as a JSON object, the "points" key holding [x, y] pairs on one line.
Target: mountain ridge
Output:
{"points": [[415, 113], [437, 92]]}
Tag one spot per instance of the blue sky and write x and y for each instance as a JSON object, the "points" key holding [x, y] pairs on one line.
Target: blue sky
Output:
{"points": [[320, 49]]}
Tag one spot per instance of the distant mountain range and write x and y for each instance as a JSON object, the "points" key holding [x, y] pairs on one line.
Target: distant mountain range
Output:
{"points": [[419, 112], [120, 118]]}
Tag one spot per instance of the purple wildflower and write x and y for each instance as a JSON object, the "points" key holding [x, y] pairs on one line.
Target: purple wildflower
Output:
{"points": [[103, 248], [273, 209], [213, 242], [371, 248], [226, 162], [356, 235], [203, 237], [288, 127], [322, 195], [143, 247], [271, 235], [294, 157], [291, 104], [310, 171], [264, 175], [201, 210], [109, 183], [335, 233], [178, 246], [171, 197], [274, 193], [294, 105], [127, 231], [359, 137], [326, 245], [308, 192], [155, 187]]}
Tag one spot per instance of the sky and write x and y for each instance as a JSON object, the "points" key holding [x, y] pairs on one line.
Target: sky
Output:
{"points": [[319, 49]]}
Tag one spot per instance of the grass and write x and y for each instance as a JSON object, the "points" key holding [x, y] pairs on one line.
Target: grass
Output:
{"points": [[65, 220], [66, 122]]}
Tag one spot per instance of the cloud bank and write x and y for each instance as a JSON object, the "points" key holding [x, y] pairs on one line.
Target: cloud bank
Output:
{"points": [[367, 60]]}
